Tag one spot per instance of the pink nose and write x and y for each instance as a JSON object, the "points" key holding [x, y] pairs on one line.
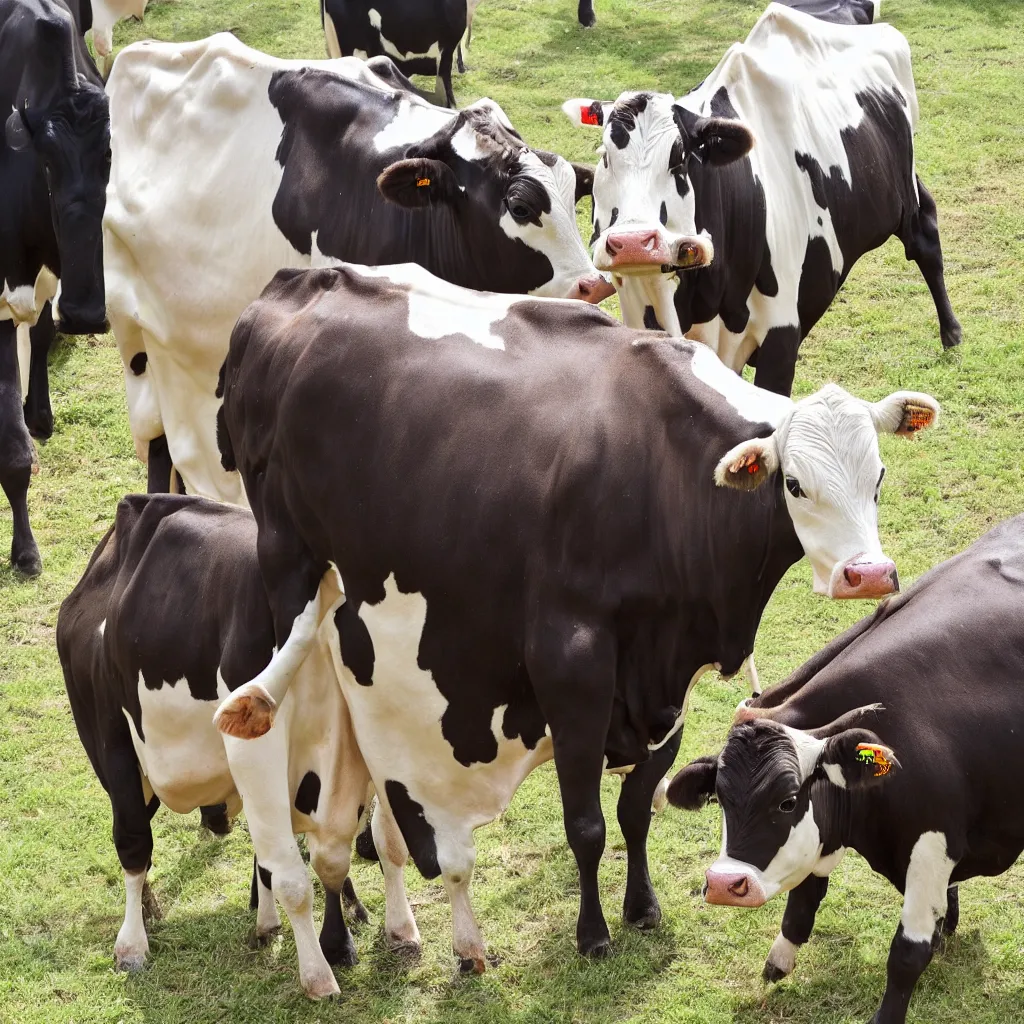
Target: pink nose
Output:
{"points": [[592, 288], [637, 248], [733, 889], [868, 579]]}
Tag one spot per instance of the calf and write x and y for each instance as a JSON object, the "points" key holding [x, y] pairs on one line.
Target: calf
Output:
{"points": [[900, 740], [745, 248], [54, 159], [169, 616], [334, 162], [548, 527]]}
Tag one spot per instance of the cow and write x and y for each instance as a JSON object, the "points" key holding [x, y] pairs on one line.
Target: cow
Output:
{"points": [[547, 527], [334, 162], [745, 248], [53, 174], [169, 615], [422, 37], [105, 15], [900, 740]]}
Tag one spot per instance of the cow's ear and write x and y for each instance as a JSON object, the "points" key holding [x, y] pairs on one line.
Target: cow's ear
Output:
{"points": [[418, 182], [905, 413], [584, 180], [587, 112], [720, 140], [16, 131], [857, 758], [749, 464], [694, 785]]}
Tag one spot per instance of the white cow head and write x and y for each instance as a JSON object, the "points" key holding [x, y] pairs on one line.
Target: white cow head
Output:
{"points": [[826, 448], [644, 208]]}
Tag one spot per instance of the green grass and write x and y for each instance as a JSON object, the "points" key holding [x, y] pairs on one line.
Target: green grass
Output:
{"points": [[61, 897]]}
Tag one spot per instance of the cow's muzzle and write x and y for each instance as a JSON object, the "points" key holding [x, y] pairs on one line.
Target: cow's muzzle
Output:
{"points": [[733, 889], [865, 578], [591, 288], [648, 251]]}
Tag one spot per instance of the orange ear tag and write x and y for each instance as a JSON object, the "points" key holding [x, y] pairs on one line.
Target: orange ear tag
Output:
{"points": [[915, 417], [868, 753], [753, 468], [588, 115], [423, 183]]}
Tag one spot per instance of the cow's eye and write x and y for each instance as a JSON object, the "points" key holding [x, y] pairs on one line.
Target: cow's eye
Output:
{"points": [[794, 488], [788, 806], [519, 210]]}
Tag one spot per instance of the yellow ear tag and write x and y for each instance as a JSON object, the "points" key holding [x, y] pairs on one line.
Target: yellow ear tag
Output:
{"points": [[423, 183], [868, 753]]}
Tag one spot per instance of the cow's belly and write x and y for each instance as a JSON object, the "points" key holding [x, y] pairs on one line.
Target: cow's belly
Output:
{"points": [[397, 722], [180, 752]]}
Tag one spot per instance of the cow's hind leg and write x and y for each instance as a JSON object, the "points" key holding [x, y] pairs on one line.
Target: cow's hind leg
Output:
{"points": [[399, 924], [38, 414], [640, 907], [259, 768], [16, 455], [949, 925], [586, 14], [352, 903], [335, 939], [921, 243], [444, 76], [797, 925]]}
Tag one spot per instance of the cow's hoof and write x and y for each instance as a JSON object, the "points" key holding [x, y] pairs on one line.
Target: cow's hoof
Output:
{"points": [[595, 949], [644, 919], [364, 845], [952, 337], [773, 974], [215, 819], [321, 988], [340, 954], [258, 939], [40, 426], [131, 963], [27, 563], [472, 964], [590, 21]]}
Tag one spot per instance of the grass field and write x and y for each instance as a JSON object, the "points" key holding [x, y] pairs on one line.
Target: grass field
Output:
{"points": [[61, 897]]}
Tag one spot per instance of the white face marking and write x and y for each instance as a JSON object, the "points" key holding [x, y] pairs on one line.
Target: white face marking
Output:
{"points": [[928, 873], [808, 751], [413, 123]]}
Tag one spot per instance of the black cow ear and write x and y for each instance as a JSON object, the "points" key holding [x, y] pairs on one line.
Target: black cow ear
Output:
{"points": [[856, 759], [584, 180], [16, 132], [694, 785], [720, 140], [418, 182]]}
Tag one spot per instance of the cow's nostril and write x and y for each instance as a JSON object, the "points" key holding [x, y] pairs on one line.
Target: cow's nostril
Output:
{"points": [[585, 290], [739, 887], [852, 576], [613, 245], [894, 579]]}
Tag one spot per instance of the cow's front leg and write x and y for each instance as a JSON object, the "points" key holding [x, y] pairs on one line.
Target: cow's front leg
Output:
{"points": [[260, 770], [261, 899], [38, 414], [925, 899], [571, 662], [797, 925], [640, 907]]}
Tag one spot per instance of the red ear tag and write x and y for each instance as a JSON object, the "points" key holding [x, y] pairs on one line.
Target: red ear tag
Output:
{"points": [[590, 115], [753, 468], [423, 183]]}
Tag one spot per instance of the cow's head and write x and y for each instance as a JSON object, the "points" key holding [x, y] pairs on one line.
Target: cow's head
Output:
{"points": [[778, 815], [479, 166], [67, 127], [825, 453], [644, 208]]}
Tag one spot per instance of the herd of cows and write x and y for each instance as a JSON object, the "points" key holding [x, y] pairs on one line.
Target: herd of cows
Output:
{"points": [[422, 517]]}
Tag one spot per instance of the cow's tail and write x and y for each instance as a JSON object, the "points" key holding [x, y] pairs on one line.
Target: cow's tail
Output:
{"points": [[227, 452]]}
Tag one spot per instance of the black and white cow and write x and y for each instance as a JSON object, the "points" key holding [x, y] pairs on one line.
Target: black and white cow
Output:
{"points": [[54, 158], [422, 37], [928, 796], [169, 616], [548, 527], [334, 162], [745, 248]]}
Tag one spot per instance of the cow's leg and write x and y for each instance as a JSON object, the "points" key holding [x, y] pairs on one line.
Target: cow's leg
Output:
{"points": [[776, 360], [259, 769], [586, 13], [399, 923], [38, 414], [292, 582], [261, 899], [444, 76], [16, 455], [750, 670], [459, 61], [335, 938], [215, 819], [133, 840], [456, 857], [159, 466], [925, 900], [572, 665], [952, 919], [797, 925], [636, 799], [921, 243], [352, 903]]}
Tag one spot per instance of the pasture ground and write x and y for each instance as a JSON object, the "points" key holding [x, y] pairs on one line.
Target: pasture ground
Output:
{"points": [[61, 897]]}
